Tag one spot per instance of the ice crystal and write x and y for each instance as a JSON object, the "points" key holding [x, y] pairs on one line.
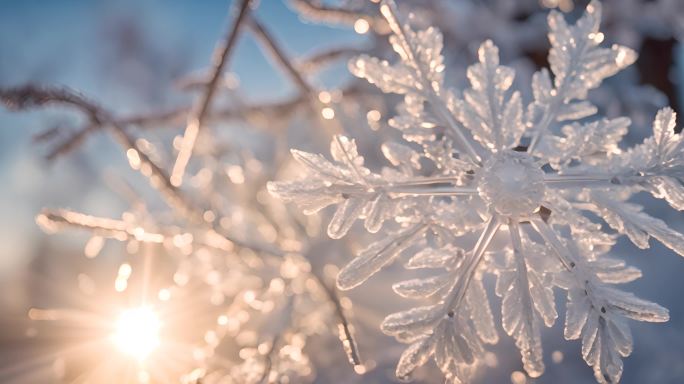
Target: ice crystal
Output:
{"points": [[480, 165]]}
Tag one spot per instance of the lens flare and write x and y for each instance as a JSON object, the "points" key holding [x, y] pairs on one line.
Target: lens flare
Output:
{"points": [[137, 332]]}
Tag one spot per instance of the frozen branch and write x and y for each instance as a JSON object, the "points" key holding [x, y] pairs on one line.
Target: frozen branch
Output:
{"points": [[268, 360], [117, 229], [276, 53], [323, 58], [199, 112], [28, 97], [345, 327], [321, 13], [65, 145]]}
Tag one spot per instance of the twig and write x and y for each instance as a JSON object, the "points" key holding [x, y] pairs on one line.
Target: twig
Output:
{"points": [[71, 142], [64, 145], [29, 97], [345, 327], [53, 220], [273, 49], [268, 360], [32, 97], [144, 120], [112, 228], [197, 115], [47, 134], [177, 116], [265, 247], [277, 110], [199, 81], [321, 13], [318, 60]]}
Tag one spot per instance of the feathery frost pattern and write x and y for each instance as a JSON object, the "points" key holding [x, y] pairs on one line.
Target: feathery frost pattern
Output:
{"points": [[525, 174]]}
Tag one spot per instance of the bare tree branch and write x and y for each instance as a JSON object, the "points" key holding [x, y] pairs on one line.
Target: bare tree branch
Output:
{"points": [[153, 119], [346, 333], [29, 97], [316, 61], [197, 114], [278, 55], [62, 217], [71, 142], [321, 13], [54, 220], [268, 359], [277, 110]]}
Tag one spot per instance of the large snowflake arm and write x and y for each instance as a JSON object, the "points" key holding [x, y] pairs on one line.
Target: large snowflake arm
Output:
{"points": [[578, 65], [377, 255], [440, 223], [494, 119], [638, 226], [596, 311], [420, 73], [525, 297], [588, 142], [452, 343], [358, 192], [472, 261], [452, 331], [656, 165]]}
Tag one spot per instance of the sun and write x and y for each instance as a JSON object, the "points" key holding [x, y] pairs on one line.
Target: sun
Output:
{"points": [[137, 332]]}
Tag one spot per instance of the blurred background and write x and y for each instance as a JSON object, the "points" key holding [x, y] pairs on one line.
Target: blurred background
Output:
{"points": [[136, 57]]}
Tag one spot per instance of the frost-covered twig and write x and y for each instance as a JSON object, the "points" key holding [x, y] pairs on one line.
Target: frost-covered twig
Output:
{"points": [[68, 144], [322, 13], [345, 328], [276, 53], [29, 97], [199, 111], [52, 220], [276, 110], [268, 359], [318, 60]]}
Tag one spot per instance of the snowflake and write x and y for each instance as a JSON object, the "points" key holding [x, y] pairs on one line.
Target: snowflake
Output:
{"points": [[480, 167]]}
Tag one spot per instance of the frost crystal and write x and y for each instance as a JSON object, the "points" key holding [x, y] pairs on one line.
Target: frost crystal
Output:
{"points": [[478, 166]]}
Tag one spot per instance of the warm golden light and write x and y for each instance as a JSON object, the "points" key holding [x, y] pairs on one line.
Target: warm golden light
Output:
{"points": [[328, 113], [137, 332], [361, 26]]}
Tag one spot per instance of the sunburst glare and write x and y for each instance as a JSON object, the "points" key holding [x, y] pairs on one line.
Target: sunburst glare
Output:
{"points": [[137, 332]]}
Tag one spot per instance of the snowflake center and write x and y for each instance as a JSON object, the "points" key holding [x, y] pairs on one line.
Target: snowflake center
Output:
{"points": [[511, 183]]}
